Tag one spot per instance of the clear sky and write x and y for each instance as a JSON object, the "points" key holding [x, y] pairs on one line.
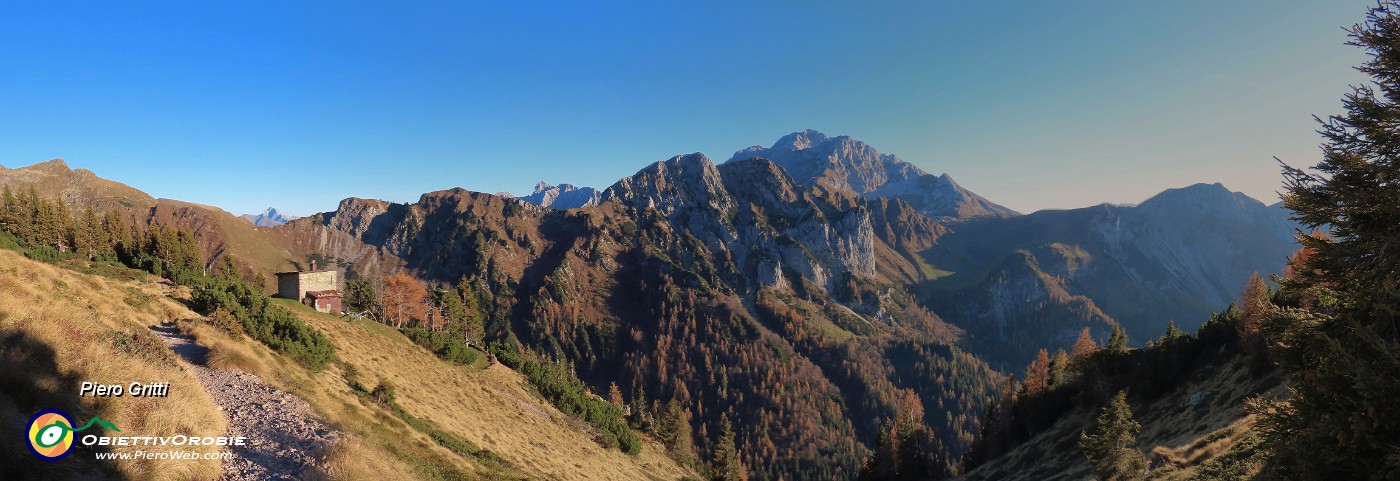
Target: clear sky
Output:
{"points": [[298, 104]]}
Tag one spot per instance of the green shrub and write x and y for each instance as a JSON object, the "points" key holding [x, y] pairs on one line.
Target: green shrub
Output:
{"points": [[44, 254], [447, 346], [271, 324], [383, 394], [558, 384]]}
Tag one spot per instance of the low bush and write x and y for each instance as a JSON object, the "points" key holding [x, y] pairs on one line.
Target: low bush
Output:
{"points": [[558, 384], [447, 346]]}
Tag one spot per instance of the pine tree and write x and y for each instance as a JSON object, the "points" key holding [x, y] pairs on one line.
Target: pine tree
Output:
{"points": [[1118, 340], [1111, 445], [1172, 335], [360, 296], [674, 431], [1341, 359], [473, 324], [1059, 368], [724, 462], [9, 208], [86, 234]]}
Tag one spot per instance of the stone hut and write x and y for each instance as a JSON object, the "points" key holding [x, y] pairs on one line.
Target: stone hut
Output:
{"points": [[319, 289]]}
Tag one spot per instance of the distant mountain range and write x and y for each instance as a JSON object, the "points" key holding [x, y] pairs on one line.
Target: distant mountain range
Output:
{"points": [[804, 290], [269, 218], [1178, 256], [562, 196]]}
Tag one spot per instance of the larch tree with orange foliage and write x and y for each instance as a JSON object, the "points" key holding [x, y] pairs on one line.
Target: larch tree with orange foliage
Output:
{"points": [[1084, 346], [1253, 306], [405, 299], [1037, 375]]}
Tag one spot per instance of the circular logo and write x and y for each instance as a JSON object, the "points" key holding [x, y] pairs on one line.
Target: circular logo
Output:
{"points": [[51, 434]]}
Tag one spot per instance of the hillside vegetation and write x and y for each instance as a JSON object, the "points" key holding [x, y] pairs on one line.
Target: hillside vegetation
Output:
{"points": [[58, 328]]}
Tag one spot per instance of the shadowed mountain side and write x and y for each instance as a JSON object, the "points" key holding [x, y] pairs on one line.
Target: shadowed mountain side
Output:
{"points": [[1178, 256]]}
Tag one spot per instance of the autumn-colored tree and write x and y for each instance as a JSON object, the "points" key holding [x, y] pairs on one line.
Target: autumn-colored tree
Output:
{"points": [[1084, 346], [1253, 305], [615, 395], [905, 449], [1037, 375], [404, 299]]}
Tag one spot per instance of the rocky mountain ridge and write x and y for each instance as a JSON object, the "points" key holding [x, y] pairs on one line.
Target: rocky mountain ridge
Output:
{"points": [[845, 164], [562, 196], [268, 218]]}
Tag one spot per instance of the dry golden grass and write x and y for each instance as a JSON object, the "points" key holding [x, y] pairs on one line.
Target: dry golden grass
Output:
{"points": [[1173, 431], [97, 330], [492, 408], [352, 459], [225, 353]]}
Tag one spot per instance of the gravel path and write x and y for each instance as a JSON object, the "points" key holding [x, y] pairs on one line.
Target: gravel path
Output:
{"points": [[284, 433]]}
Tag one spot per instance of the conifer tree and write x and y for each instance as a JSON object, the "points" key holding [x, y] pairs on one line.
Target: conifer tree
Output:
{"points": [[674, 431], [473, 324], [724, 463], [1118, 340], [1059, 368], [1341, 359], [1172, 335], [1111, 445], [1084, 346], [9, 208], [1037, 375]]}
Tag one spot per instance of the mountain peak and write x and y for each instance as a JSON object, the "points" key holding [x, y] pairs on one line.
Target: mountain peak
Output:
{"points": [[844, 163], [55, 165], [1215, 193], [562, 196], [268, 218], [803, 140]]}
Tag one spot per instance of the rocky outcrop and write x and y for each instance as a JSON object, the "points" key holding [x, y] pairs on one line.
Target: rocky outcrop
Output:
{"points": [[562, 196], [849, 165]]}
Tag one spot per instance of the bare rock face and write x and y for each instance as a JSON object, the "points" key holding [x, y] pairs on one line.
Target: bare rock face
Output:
{"points": [[755, 212], [846, 164], [562, 196]]}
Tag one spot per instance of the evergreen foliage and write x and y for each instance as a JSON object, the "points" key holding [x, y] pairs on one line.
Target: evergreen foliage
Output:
{"points": [[724, 459], [1111, 445], [558, 384], [228, 297], [1338, 339]]}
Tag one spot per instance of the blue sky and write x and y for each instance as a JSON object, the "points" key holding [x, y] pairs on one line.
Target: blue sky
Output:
{"points": [[297, 105]]}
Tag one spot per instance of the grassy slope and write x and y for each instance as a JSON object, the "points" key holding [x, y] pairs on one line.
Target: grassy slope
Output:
{"points": [[59, 328], [244, 241], [492, 408], [1173, 431]]}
